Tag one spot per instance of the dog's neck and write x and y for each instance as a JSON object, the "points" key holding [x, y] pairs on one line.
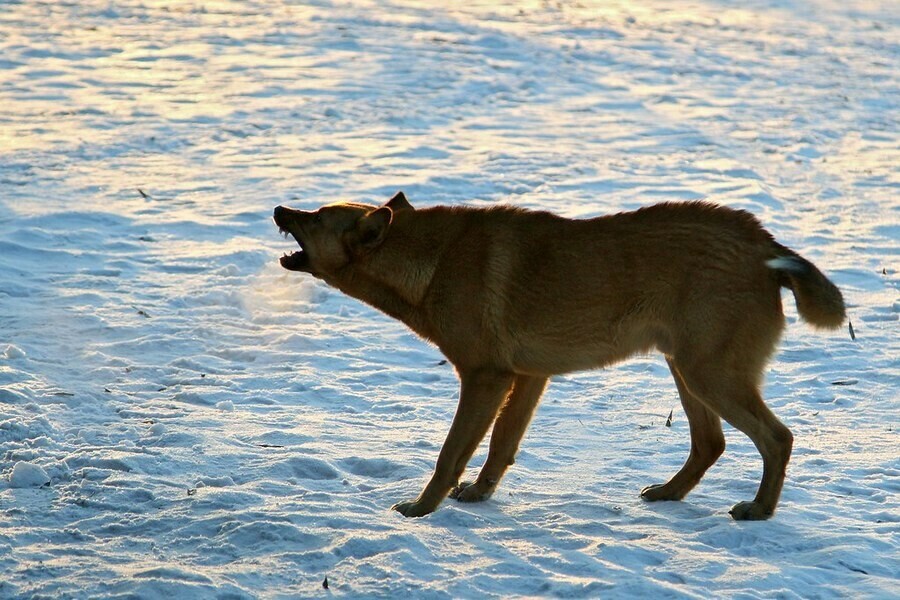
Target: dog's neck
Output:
{"points": [[396, 276]]}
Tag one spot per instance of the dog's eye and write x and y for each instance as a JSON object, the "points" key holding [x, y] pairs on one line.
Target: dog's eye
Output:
{"points": [[317, 218]]}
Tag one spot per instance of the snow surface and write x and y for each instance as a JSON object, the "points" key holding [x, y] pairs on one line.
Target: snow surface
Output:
{"points": [[25, 475], [214, 426]]}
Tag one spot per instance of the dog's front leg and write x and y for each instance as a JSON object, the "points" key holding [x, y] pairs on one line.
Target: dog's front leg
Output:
{"points": [[508, 431], [482, 392]]}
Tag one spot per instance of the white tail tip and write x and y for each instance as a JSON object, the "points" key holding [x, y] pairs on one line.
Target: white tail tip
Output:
{"points": [[786, 263]]}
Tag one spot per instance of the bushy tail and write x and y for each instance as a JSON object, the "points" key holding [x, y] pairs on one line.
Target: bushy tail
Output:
{"points": [[819, 301]]}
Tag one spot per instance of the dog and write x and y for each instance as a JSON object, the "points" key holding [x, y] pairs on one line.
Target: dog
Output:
{"points": [[512, 297]]}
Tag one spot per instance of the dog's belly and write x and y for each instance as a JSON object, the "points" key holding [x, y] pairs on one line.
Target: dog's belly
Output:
{"points": [[564, 354]]}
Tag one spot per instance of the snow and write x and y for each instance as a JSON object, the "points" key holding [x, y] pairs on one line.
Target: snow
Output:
{"points": [[214, 426], [26, 475], [12, 352]]}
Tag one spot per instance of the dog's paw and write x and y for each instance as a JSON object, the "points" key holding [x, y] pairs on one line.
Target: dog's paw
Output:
{"points": [[660, 491], [750, 511], [412, 509], [471, 491]]}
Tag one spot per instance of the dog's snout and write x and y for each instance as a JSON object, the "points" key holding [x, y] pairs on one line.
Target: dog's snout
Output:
{"points": [[282, 215]]}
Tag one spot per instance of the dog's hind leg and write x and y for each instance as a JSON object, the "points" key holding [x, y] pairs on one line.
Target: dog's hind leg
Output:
{"points": [[734, 395], [505, 438], [707, 444], [481, 395]]}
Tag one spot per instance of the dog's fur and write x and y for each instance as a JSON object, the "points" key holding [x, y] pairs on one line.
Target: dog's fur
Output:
{"points": [[512, 297]]}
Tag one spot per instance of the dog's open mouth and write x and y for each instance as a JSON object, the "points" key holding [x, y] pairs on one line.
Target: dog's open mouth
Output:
{"points": [[295, 261]]}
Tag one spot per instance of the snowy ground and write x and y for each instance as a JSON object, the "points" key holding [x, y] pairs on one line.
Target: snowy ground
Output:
{"points": [[181, 418]]}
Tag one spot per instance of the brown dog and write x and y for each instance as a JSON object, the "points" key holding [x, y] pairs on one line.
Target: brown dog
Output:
{"points": [[512, 297]]}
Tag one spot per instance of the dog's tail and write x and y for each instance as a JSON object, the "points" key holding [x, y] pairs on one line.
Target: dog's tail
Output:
{"points": [[819, 301]]}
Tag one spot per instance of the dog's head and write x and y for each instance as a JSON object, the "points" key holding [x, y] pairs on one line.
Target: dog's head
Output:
{"points": [[335, 235]]}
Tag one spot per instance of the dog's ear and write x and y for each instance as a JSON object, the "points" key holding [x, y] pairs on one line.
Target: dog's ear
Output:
{"points": [[370, 230], [399, 202]]}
